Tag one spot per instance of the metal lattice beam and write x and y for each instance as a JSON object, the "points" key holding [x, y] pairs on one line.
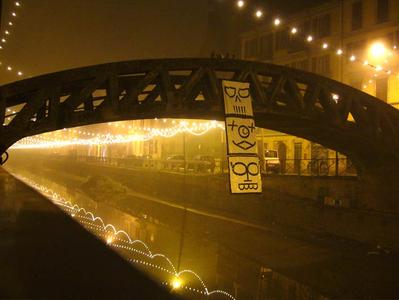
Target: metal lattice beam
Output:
{"points": [[285, 99]]}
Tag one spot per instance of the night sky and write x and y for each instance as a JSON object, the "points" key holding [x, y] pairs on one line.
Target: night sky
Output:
{"points": [[52, 35]]}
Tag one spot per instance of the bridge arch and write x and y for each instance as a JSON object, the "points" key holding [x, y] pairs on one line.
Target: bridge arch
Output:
{"points": [[284, 99]]}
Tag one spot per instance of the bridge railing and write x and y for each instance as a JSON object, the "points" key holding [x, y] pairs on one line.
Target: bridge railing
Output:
{"points": [[289, 167]]}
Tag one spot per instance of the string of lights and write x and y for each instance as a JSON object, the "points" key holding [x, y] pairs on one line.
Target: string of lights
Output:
{"points": [[378, 49], [111, 235], [59, 139], [5, 35]]}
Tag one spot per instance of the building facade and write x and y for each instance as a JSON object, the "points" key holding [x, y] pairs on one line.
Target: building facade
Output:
{"points": [[352, 41]]}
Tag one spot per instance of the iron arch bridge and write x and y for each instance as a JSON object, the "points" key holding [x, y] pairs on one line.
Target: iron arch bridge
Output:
{"points": [[284, 99]]}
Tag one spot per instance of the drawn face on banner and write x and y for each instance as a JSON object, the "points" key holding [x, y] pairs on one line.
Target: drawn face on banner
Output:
{"points": [[241, 136], [245, 175], [237, 99]]}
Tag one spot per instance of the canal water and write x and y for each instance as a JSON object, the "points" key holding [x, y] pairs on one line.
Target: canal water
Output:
{"points": [[195, 255]]}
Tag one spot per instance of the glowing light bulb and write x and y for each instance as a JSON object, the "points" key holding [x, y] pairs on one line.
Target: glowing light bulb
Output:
{"points": [[324, 46], [176, 283], [17, 3], [309, 38], [240, 3], [352, 58], [13, 14], [110, 239], [9, 68], [294, 30], [258, 13], [6, 32], [377, 50], [10, 23], [340, 52], [277, 21], [19, 73]]}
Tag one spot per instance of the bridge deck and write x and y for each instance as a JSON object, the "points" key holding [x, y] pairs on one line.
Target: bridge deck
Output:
{"points": [[45, 254]]}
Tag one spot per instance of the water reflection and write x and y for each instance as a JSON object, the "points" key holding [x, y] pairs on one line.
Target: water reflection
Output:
{"points": [[187, 254]]}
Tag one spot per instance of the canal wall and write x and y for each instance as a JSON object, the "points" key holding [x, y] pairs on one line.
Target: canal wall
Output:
{"points": [[279, 205]]}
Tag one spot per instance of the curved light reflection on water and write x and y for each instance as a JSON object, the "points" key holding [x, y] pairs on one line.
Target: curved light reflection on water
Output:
{"points": [[111, 235]]}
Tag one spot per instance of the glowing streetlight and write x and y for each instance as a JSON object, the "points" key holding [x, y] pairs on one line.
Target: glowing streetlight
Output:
{"points": [[377, 50], [340, 52], [277, 21], [240, 3], [352, 58], [258, 13], [309, 38], [324, 46], [294, 30]]}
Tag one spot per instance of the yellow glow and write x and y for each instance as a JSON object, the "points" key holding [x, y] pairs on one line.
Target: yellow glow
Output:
{"points": [[176, 283], [340, 52], [110, 239], [325, 46], [309, 38], [259, 13], [240, 3], [294, 30], [377, 50], [277, 21]]}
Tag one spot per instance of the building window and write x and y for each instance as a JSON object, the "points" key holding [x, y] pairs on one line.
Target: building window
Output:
{"points": [[266, 47], [321, 65], [281, 39], [381, 88], [356, 48], [382, 11], [251, 48], [324, 26], [357, 15]]}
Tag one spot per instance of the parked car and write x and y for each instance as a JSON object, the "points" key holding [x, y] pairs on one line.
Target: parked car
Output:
{"points": [[271, 162], [175, 161], [208, 162]]}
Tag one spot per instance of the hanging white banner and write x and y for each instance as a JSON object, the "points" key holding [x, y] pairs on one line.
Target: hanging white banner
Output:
{"points": [[245, 174], [241, 136], [237, 99]]}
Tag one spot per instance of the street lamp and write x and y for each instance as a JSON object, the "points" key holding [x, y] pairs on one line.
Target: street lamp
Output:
{"points": [[377, 50], [240, 3]]}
